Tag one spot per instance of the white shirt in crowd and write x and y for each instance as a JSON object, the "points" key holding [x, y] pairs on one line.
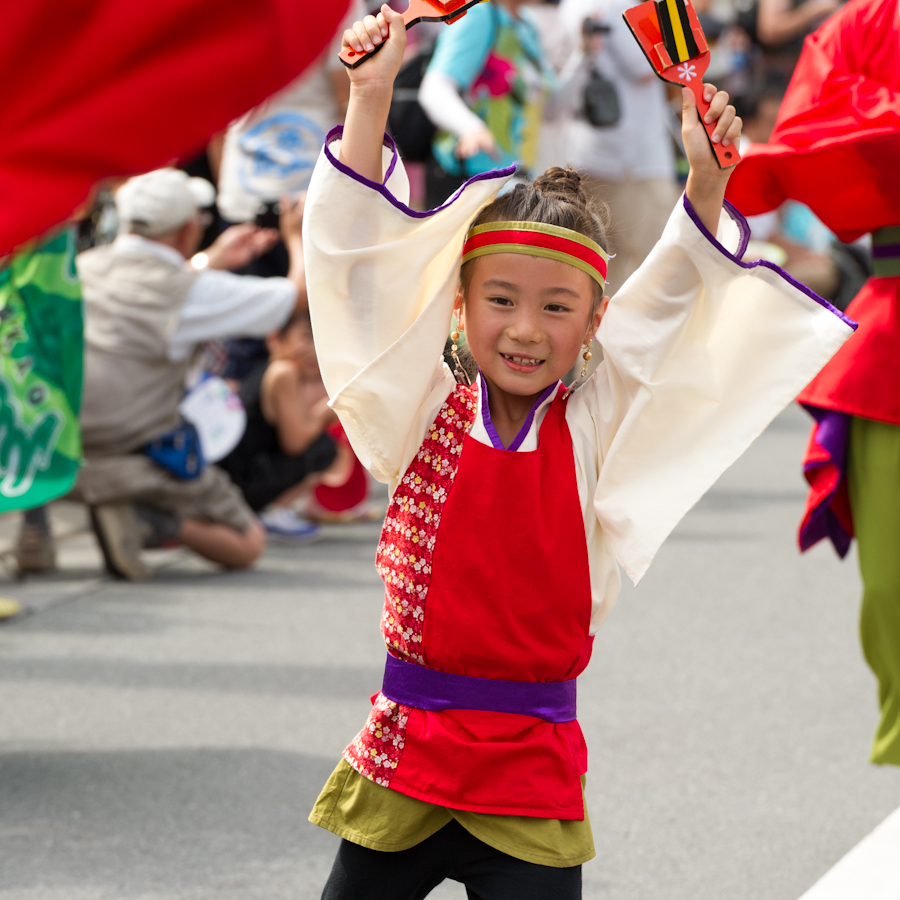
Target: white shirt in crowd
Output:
{"points": [[220, 304], [639, 146]]}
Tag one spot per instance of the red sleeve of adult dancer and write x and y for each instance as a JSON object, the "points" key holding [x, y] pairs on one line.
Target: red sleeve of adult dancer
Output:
{"points": [[837, 138], [96, 88]]}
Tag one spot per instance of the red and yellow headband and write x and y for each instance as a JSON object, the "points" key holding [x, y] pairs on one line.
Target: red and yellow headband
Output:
{"points": [[538, 239]]}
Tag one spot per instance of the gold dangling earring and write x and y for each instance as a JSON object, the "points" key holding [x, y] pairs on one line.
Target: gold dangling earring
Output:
{"points": [[459, 370], [586, 356]]}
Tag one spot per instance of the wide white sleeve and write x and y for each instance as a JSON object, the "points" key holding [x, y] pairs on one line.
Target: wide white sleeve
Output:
{"points": [[382, 279], [700, 352]]}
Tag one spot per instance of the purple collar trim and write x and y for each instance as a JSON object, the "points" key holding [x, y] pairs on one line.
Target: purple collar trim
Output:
{"points": [[336, 133], [526, 425], [423, 688], [742, 249]]}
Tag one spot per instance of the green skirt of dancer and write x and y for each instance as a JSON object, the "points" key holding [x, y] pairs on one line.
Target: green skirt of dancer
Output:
{"points": [[874, 483]]}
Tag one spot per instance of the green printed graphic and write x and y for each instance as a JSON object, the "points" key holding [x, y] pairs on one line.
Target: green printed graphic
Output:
{"points": [[41, 354]]}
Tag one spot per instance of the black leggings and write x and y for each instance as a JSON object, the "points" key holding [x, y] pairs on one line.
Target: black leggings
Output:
{"points": [[488, 874]]}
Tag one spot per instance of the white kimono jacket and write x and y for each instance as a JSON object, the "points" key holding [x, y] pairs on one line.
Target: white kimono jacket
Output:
{"points": [[700, 352]]}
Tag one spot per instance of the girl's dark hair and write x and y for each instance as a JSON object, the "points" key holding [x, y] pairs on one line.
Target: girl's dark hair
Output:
{"points": [[556, 198]]}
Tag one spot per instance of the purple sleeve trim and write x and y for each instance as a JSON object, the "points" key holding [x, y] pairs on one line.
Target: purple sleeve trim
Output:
{"points": [[336, 133], [393, 163], [741, 222], [526, 426]]}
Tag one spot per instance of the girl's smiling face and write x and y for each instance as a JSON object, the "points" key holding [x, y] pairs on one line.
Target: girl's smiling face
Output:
{"points": [[526, 319]]}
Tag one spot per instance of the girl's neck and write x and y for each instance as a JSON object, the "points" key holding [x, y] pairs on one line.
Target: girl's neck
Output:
{"points": [[508, 412]]}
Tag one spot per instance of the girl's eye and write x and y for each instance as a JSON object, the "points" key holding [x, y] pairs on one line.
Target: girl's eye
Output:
{"points": [[557, 307], [500, 301]]}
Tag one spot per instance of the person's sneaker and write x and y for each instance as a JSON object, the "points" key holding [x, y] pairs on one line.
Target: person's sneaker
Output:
{"points": [[286, 523], [159, 528], [120, 536], [35, 550]]}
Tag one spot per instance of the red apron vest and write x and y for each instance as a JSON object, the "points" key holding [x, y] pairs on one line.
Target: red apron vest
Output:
{"points": [[485, 563]]}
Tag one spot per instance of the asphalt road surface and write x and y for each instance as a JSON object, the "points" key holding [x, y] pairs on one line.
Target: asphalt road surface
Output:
{"points": [[167, 740]]}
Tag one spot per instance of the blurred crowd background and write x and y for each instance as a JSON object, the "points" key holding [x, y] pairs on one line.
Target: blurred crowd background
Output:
{"points": [[204, 417], [537, 84]]}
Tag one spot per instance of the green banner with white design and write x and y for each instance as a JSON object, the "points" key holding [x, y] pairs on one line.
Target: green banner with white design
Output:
{"points": [[41, 359]]}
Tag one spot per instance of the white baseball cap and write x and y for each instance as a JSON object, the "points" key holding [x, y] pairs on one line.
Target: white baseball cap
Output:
{"points": [[161, 201]]}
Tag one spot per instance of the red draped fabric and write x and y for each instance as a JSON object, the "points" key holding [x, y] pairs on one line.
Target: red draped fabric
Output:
{"points": [[97, 88], [836, 143], [836, 148]]}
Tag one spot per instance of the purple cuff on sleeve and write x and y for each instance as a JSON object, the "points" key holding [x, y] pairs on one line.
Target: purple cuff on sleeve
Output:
{"points": [[741, 222], [337, 132]]}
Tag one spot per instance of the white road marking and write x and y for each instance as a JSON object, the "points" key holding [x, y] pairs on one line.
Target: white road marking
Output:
{"points": [[870, 871]]}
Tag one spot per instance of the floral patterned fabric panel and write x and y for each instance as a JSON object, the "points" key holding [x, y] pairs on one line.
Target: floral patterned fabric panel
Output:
{"points": [[407, 541], [404, 562], [375, 751]]}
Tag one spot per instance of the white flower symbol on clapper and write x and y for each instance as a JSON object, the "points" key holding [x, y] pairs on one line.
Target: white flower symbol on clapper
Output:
{"points": [[687, 71]]}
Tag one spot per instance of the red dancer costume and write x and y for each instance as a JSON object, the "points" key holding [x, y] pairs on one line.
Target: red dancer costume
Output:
{"points": [[465, 752], [836, 147], [500, 563]]}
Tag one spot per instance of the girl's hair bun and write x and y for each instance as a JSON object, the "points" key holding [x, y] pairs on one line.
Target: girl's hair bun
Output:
{"points": [[558, 197], [564, 181]]}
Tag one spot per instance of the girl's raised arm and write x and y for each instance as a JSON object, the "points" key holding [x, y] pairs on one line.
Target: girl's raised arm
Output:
{"points": [[382, 277], [706, 181], [371, 86]]}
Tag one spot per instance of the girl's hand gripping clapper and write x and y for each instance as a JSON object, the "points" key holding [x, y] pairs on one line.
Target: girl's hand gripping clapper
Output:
{"points": [[670, 35], [419, 11]]}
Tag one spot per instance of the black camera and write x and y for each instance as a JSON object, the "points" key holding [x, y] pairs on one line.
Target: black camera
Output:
{"points": [[268, 215], [590, 27]]}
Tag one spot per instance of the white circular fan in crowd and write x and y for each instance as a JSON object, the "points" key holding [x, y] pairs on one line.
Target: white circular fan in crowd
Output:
{"points": [[217, 413]]}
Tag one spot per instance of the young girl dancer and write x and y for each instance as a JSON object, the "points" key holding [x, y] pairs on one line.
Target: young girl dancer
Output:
{"points": [[513, 498]]}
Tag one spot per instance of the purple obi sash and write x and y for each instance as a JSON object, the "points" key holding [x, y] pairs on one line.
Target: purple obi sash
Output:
{"points": [[423, 688]]}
